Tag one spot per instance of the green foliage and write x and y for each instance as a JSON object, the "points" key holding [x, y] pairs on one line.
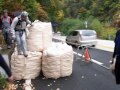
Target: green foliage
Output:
{"points": [[69, 25], [96, 25], [71, 13], [34, 8], [104, 10], [54, 8], [109, 32], [3, 82], [1, 3], [104, 31]]}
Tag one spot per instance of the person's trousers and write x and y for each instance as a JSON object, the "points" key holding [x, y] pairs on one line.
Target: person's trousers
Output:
{"points": [[117, 70], [4, 65], [21, 41], [7, 37]]}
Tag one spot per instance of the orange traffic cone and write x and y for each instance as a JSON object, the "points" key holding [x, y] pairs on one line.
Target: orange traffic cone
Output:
{"points": [[87, 55]]}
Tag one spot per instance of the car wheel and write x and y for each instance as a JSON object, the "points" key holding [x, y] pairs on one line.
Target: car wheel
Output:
{"points": [[75, 44], [67, 42], [93, 45]]}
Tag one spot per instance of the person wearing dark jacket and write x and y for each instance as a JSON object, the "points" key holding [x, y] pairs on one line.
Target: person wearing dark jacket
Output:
{"points": [[6, 68], [116, 54]]}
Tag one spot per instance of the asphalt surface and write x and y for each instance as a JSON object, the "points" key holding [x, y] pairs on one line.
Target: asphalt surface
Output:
{"points": [[85, 76]]}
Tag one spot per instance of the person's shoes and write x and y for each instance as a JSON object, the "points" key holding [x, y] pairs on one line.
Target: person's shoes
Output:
{"points": [[8, 47], [20, 53], [11, 79], [25, 55]]}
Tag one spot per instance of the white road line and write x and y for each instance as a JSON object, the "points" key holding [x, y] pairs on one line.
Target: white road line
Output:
{"points": [[97, 62], [77, 54], [92, 60]]}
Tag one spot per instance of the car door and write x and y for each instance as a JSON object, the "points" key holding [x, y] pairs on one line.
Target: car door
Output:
{"points": [[74, 37], [68, 39]]}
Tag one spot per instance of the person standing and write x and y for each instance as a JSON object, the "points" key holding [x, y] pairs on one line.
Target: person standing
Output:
{"points": [[116, 54], [5, 22], [19, 26]]}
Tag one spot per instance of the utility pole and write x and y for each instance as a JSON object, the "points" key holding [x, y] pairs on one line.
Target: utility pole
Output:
{"points": [[86, 24]]}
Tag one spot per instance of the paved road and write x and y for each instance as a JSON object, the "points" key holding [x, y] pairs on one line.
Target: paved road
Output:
{"points": [[86, 76]]}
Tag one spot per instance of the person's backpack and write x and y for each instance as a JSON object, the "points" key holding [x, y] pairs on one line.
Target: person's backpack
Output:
{"points": [[19, 21], [117, 40]]}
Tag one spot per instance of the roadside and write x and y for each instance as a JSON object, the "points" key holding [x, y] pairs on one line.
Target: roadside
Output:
{"points": [[105, 45]]}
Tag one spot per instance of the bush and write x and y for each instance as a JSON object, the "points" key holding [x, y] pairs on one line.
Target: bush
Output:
{"points": [[108, 33], [69, 25], [104, 30], [97, 26], [3, 82]]}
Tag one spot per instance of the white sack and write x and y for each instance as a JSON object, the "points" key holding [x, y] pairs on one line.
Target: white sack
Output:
{"points": [[40, 36], [57, 61], [26, 67]]}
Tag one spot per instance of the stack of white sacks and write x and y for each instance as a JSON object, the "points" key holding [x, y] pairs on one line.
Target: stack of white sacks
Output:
{"points": [[55, 59], [26, 68]]}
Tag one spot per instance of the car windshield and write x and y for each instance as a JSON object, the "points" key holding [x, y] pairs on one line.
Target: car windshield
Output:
{"points": [[88, 33]]}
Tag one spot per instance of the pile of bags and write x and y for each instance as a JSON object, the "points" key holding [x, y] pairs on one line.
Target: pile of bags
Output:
{"points": [[40, 36], [26, 68], [57, 61], [54, 59]]}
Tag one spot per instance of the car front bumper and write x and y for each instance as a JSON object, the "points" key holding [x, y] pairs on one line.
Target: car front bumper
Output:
{"points": [[88, 43]]}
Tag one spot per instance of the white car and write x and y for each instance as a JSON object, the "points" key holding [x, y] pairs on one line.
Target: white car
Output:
{"points": [[82, 38]]}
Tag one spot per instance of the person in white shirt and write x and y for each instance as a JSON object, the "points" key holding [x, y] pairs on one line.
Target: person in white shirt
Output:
{"points": [[18, 27]]}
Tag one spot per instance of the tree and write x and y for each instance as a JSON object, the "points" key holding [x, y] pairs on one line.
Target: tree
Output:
{"points": [[34, 8], [54, 8]]}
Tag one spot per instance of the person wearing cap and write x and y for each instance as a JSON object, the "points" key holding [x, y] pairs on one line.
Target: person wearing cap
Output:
{"points": [[18, 26], [5, 28]]}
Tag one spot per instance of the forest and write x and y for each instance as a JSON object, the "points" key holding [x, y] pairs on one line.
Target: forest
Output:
{"points": [[70, 15]]}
